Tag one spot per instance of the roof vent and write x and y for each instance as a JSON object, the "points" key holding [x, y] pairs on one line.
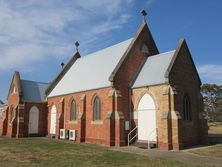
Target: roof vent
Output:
{"points": [[145, 49]]}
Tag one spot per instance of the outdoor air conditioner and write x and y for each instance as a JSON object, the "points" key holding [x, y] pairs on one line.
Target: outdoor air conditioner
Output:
{"points": [[64, 134], [72, 135]]}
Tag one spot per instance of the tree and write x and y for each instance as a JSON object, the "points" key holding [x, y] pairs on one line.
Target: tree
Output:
{"points": [[212, 95]]}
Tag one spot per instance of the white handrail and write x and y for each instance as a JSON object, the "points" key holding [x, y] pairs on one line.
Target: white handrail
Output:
{"points": [[129, 140], [132, 130]]}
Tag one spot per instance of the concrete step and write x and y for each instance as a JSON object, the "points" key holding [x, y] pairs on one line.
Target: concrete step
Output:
{"points": [[144, 145]]}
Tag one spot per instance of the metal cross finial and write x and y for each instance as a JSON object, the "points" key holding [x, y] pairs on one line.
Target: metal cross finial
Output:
{"points": [[77, 45], [144, 14], [62, 64]]}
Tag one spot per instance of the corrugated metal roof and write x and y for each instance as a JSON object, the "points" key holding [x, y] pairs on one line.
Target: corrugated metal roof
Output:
{"points": [[1, 108], [34, 91], [154, 69], [91, 71]]}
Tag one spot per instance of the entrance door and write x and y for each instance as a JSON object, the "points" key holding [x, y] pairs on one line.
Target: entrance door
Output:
{"points": [[34, 120], [53, 120], [146, 119]]}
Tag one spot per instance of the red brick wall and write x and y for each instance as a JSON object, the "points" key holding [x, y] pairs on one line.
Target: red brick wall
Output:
{"points": [[42, 107], [94, 132], [130, 68]]}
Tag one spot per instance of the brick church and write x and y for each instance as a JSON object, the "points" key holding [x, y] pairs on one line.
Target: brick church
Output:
{"points": [[25, 113], [118, 95]]}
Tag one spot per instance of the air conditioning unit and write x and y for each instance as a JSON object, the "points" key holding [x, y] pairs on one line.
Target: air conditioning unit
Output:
{"points": [[72, 134], [64, 134]]}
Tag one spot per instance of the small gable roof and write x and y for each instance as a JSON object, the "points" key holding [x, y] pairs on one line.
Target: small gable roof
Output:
{"points": [[34, 91], [154, 69], [91, 71], [182, 43]]}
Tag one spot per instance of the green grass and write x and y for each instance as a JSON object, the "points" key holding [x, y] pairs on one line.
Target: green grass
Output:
{"points": [[215, 137], [215, 128], [213, 151], [51, 153]]}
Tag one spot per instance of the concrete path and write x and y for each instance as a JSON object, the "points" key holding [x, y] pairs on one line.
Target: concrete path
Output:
{"points": [[183, 156]]}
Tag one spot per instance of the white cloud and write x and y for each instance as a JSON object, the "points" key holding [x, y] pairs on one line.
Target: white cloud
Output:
{"points": [[211, 73], [33, 31]]}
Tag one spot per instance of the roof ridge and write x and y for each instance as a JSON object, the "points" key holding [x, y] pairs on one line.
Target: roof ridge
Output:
{"points": [[162, 53], [116, 44]]}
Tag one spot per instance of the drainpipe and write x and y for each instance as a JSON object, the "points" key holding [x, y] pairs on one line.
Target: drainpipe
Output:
{"points": [[64, 115]]}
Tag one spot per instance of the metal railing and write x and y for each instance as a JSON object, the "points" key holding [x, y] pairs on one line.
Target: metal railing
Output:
{"points": [[129, 135]]}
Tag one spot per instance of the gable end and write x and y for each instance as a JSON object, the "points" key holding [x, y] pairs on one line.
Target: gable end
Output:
{"points": [[182, 45], [16, 81], [152, 46]]}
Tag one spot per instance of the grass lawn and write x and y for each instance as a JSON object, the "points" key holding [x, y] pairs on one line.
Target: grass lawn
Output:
{"points": [[215, 128], [215, 137], [45, 152]]}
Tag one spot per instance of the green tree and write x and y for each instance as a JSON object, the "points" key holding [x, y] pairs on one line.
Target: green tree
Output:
{"points": [[212, 95]]}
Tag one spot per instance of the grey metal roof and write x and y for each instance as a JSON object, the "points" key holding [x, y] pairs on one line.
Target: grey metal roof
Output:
{"points": [[91, 71], [34, 91], [154, 69], [2, 105]]}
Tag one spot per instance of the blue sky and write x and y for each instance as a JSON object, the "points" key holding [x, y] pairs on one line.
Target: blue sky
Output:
{"points": [[37, 35]]}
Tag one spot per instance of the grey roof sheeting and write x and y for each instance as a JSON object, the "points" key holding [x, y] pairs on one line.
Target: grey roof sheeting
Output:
{"points": [[34, 91], [1, 102], [91, 71], [2, 106], [154, 69]]}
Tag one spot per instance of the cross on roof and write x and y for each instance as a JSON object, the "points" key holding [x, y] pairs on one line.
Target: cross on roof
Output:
{"points": [[144, 14], [77, 45]]}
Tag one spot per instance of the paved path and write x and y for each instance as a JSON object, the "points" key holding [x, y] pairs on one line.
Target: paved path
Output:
{"points": [[183, 156]]}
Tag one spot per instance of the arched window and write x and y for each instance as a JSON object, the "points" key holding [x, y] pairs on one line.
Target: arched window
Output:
{"points": [[186, 108], [96, 109], [73, 112]]}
